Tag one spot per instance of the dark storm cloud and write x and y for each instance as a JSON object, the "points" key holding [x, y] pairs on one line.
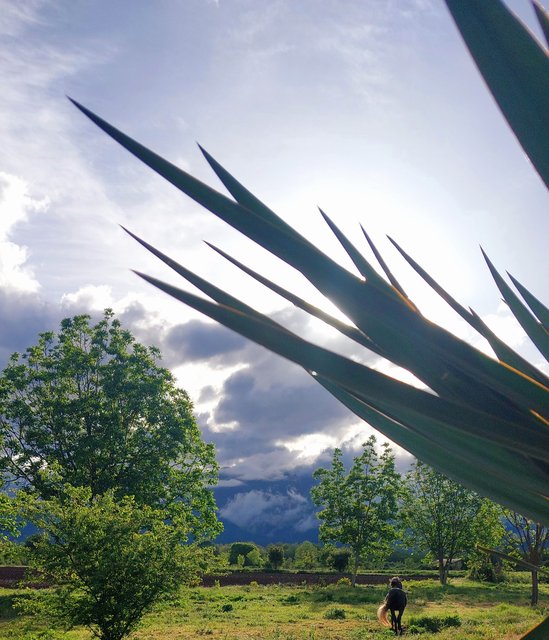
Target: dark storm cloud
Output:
{"points": [[294, 405], [197, 340], [22, 317]]}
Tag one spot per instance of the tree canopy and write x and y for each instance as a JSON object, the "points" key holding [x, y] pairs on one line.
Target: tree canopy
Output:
{"points": [[91, 407], [440, 515], [359, 507]]}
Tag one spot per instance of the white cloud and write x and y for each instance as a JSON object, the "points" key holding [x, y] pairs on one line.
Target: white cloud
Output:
{"points": [[15, 207], [504, 324], [16, 16], [253, 508]]}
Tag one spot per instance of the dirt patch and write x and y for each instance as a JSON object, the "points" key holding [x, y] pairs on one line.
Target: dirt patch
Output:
{"points": [[11, 577], [274, 577]]}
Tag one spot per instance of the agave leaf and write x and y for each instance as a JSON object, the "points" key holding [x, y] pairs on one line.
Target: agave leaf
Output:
{"points": [[386, 391], [543, 19], [535, 331], [348, 330], [329, 277], [384, 266], [519, 562], [247, 199], [395, 327], [538, 308], [539, 632], [502, 350], [515, 68], [524, 436], [439, 457], [364, 267], [503, 463], [206, 287]]}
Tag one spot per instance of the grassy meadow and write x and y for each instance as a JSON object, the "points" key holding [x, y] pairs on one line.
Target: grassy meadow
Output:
{"points": [[255, 612]]}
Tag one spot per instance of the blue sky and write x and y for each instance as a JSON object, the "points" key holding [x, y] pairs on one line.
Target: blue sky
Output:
{"points": [[371, 109]]}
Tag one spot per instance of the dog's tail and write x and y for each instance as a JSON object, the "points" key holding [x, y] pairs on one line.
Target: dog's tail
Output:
{"points": [[382, 615]]}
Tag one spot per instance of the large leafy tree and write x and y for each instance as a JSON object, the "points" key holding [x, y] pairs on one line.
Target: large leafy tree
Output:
{"points": [[111, 558], [359, 507], [439, 515], [93, 405]]}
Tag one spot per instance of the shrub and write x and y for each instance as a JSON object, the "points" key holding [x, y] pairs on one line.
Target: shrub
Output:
{"points": [[227, 607], [276, 556], [344, 582], [335, 614], [432, 624], [340, 560], [240, 549]]}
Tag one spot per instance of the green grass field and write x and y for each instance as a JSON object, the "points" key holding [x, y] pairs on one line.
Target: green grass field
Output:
{"points": [[486, 612]]}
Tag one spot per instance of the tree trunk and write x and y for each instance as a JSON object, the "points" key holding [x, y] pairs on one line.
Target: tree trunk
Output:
{"points": [[535, 594], [355, 568], [442, 571]]}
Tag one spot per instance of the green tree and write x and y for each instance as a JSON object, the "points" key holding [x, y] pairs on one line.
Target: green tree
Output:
{"points": [[339, 560], [254, 558], [488, 531], [358, 508], [240, 549], [439, 515], [276, 556], [93, 404], [112, 557], [306, 555], [530, 541]]}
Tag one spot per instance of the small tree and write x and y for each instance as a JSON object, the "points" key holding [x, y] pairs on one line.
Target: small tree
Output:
{"points": [[276, 556], [488, 531], [340, 559], [253, 558], [240, 549], [358, 508], [439, 515], [113, 559], [530, 541], [306, 555]]}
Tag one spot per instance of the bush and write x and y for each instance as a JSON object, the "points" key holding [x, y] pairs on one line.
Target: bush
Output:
{"points": [[240, 549], [339, 560], [276, 556], [227, 607], [432, 624], [335, 614], [344, 582]]}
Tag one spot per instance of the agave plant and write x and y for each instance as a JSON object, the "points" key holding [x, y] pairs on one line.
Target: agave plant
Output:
{"points": [[482, 421]]}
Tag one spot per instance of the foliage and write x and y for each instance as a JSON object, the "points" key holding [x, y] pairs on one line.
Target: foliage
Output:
{"points": [[339, 560], [440, 515], [91, 407], [358, 507], [488, 531], [306, 555], [432, 624], [253, 558], [335, 613], [344, 582], [112, 559], [240, 549], [530, 541], [275, 555]]}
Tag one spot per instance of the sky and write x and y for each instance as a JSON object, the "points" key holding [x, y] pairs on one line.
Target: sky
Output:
{"points": [[371, 109]]}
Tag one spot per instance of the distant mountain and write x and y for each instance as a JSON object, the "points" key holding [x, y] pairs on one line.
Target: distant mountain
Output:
{"points": [[267, 511]]}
